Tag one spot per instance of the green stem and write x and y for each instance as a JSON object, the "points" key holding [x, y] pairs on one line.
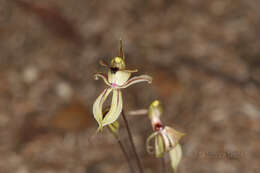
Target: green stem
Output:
{"points": [[163, 167], [139, 164], [125, 153]]}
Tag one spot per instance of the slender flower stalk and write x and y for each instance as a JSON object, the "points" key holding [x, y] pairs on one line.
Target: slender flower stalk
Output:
{"points": [[163, 167], [114, 129], [125, 154], [138, 160]]}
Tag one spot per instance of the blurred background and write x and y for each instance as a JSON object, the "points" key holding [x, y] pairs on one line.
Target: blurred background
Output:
{"points": [[203, 56]]}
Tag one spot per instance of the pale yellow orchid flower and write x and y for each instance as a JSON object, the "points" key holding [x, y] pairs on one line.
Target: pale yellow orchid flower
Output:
{"points": [[166, 139], [118, 78]]}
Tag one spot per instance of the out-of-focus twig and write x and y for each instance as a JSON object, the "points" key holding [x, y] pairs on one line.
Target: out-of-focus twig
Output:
{"points": [[138, 112], [138, 160], [163, 165]]}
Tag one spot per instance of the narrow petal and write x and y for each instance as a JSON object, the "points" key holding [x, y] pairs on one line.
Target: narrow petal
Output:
{"points": [[115, 109], [103, 76], [159, 145], [103, 63], [97, 106], [173, 135], [175, 156], [167, 142], [137, 79], [148, 143], [130, 70], [121, 52]]}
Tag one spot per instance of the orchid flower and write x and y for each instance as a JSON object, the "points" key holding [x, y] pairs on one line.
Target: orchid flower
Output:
{"points": [[166, 139], [118, 77]]}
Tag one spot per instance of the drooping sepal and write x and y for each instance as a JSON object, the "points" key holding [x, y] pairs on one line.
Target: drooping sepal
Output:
{"points": [[149, 148], [115, 108], [175, 157], [159, 146], [174, 136], [97, 107]]}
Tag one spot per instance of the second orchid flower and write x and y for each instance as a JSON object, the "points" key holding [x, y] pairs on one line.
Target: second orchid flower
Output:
{"points": [[166, 139]]}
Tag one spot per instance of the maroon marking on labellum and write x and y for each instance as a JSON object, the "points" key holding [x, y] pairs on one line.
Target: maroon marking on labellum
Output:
{"points": [[114, 69], [158, 126]]}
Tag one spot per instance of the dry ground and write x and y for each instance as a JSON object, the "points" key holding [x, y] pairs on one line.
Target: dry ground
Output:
{"points": [[203, 55]]}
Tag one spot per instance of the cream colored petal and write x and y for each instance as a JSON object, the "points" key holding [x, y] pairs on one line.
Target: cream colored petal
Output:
{"points": [[137, 79], [97, 106], [115, 108], [103, 76], [175, 156], [103, 63]]}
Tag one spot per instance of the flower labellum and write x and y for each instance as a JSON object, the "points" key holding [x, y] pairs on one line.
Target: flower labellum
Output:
{"points": [[165, 139]]}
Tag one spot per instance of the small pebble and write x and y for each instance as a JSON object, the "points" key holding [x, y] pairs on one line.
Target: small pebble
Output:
{"points": [[30, 74], [64, 90]]}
